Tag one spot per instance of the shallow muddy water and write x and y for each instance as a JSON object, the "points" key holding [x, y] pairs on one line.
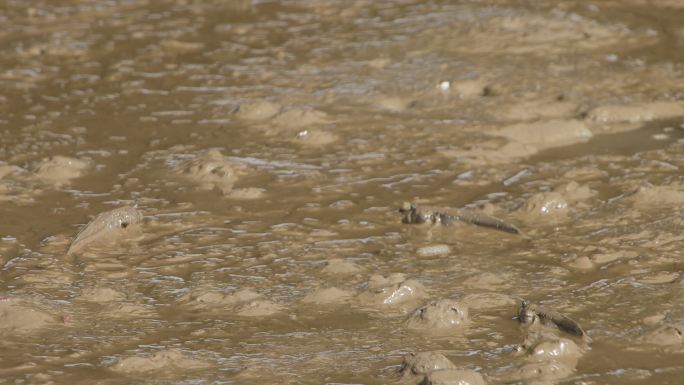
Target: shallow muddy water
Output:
{"points": [[208, 192]]}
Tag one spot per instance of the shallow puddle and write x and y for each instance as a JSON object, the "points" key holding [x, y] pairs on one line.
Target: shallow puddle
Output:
{"points": [[243, 164]]}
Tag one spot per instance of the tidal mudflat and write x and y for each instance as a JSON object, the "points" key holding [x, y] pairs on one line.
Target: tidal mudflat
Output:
{"points": [[209, 192]]}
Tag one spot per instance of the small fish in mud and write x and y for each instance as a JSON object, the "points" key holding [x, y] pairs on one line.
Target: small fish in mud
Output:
{"points": [[105, 226], [529, 314], [412, 214]]}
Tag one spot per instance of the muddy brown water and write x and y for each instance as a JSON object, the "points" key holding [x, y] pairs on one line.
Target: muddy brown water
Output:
{"points": [[268, 146]]}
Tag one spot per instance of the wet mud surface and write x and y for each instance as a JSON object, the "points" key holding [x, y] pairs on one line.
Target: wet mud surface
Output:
{"points": [[209, 192]]}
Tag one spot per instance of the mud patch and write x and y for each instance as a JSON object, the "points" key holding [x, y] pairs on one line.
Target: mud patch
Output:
{"points": [[59, 170], [210, 170], [167, 359], [539, 136], [438, 316], [331, 295], [393, 290], [18, 318]]}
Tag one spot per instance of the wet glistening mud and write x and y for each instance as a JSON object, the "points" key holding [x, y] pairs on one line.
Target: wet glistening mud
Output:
{"points": [[332, 192]]}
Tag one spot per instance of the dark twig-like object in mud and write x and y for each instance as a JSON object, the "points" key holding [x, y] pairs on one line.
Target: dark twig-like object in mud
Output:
{"points": [[412, 214]]}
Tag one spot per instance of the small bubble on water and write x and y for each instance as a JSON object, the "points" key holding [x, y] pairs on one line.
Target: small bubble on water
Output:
{"points": [[444, 85]]}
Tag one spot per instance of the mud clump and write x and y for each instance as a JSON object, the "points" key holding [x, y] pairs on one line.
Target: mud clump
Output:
{"points": [[631, 113], [490, 300], [247, 193], [537, 109], [439, 315], [242, 303], [101, 295], [315, 137], [604, 256], [654, 196], [391, 103], [300, 118], [574, 192], [211, 170], [562, 350], [547, 207], [416, 364], [433, 250], [6, 170], [258, 110], [160, 361], [542, 372], [338, 266], [487, 281], [181, 47], [392, 290], [259, 308], [330, 295], [207, 297], [538, 136], [556, 205], [665, 335], [454, 377], [471, 89], [17, 318], [434, 368], [60, 170], [581, 263]]}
